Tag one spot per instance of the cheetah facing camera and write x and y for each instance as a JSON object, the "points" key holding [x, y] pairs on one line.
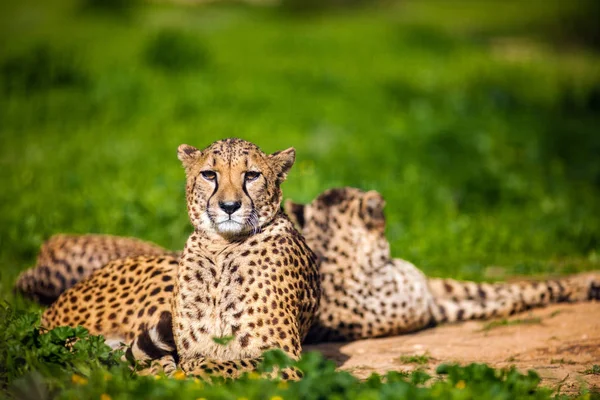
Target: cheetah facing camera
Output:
{"points": [[366, 293], [245, 273]]}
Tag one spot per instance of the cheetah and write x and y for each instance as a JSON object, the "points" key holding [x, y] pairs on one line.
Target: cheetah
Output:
{"points": [[245, 276], [365, 293], [64, 260], [345, 227]]}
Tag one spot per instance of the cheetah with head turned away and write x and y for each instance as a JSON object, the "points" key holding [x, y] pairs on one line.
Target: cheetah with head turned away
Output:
{"points": [[245, 273], [366, 293]]}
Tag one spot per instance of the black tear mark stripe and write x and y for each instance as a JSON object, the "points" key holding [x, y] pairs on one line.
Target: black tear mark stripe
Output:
{"points": [[213, 193], [247, 194]]}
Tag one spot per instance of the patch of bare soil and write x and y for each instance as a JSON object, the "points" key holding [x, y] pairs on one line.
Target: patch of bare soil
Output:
{"points": [[560, 342]]}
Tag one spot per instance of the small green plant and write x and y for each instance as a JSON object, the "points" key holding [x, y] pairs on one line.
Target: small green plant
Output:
{"points": [[593, 370], [512, 322], [56, 354], [415, 359], [175, 51], [223, 340]]}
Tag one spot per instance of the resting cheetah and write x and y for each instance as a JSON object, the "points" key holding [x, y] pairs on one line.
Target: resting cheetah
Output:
{"points": [[65, 260], [245, 273], [366, 293]]}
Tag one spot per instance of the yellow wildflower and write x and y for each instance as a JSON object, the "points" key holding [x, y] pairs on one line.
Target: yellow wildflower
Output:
{"points": [[276, 398], [460, 384], [253, 375], [179, 375], [78, 379], [104, 396]]}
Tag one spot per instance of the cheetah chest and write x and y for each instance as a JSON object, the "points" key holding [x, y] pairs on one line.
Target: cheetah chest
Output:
{"points": [[215, 309]]}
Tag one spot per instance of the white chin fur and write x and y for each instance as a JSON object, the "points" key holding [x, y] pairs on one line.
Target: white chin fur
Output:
{"points": [[229, 228]]}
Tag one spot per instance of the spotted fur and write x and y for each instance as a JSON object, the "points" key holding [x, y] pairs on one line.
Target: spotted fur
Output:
{"points": [[245, 273], [64, 260], [129, 299], [366, 293]]}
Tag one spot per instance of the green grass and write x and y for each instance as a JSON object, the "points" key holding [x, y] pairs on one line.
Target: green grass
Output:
{"points": [[477, 121], [510, 322]]}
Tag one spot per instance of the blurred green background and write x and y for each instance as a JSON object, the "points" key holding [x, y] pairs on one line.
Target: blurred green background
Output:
{"points": [[478, 121]]}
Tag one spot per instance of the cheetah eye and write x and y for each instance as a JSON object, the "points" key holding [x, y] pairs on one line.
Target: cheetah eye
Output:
{"points": [[251, 176], [209, 175]]}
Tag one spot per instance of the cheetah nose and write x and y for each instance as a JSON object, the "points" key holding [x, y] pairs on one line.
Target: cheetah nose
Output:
{"points": [[230, 206]]}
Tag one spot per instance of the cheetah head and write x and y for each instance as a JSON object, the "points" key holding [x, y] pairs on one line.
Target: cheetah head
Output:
{"points": [[233, 188], [344, 222]]}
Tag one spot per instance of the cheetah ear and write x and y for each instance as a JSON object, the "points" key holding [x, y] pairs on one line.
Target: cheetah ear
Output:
{"points": [[295, 212], [372, 208], [187, 155], [281, 162]]}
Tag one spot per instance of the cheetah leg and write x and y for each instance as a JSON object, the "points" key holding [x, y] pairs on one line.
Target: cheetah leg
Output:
{"points": [[165, 364], [204, 368], [513, 298]]}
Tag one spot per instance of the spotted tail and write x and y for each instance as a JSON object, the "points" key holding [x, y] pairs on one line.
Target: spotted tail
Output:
{"points": [[460, 301], [65, 260]]}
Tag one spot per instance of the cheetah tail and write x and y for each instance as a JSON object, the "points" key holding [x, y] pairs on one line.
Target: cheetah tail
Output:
{"points": [[459, 301]]}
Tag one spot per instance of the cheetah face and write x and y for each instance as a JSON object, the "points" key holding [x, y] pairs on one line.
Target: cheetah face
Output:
{"points": [[344, 220], [233, 188]]}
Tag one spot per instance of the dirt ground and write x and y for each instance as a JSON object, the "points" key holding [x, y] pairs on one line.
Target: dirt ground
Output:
{"points": [[559, 342]]}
